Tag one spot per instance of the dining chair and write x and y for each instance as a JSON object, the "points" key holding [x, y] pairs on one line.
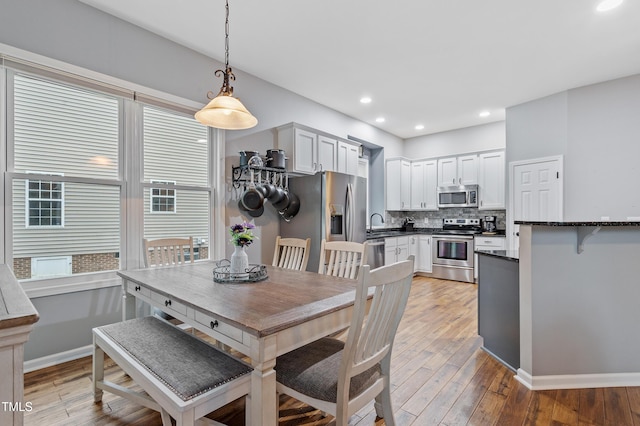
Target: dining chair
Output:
{"points": [[342, 258], [340, 378], [167, 251], [291, 253]]}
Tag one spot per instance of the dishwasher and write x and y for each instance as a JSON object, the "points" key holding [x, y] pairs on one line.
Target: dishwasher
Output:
{"points": [[375, 253]]}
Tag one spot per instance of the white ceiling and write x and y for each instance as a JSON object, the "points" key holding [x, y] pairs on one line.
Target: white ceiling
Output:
{"points": [[433, 62]]}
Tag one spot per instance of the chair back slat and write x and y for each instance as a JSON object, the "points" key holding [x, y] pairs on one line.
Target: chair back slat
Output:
{"points": [[167, 251], [291, 253], [342, 258]]}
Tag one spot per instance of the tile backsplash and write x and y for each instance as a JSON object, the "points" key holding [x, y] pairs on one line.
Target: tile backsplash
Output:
{"points": [[394, 219]]}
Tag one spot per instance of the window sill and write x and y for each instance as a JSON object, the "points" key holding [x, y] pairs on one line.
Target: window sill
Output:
{"points": [[70, 284]]}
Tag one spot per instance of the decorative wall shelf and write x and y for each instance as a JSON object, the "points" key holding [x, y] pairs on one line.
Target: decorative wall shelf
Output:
{"points": [[241, 175]]}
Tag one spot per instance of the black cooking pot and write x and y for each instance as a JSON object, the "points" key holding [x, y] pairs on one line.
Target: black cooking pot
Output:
{"points": [[256, 212], [293, 208], [252, 199], [283, 203], [276, 159], [245, 155]]}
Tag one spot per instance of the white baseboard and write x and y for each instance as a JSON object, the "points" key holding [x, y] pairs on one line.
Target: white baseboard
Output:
{"points": [[577, 381], [59, 358]]}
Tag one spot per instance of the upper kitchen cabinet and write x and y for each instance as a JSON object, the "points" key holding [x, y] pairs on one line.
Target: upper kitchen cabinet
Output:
{"points": [[348, 155], [327, 154], [398, 178], [460, 170], [307, 151], [424, 181], [310, 151], [491, 180]]}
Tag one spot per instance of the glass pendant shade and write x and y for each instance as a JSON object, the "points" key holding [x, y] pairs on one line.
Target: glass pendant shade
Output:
{"points": [[226, 112]]}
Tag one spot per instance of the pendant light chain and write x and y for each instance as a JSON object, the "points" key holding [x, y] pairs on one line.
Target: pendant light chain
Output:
{"points": [[227, 74], [226, 38]]}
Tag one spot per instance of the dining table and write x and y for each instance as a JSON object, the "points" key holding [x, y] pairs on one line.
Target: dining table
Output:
{"points": [[261, 320]]}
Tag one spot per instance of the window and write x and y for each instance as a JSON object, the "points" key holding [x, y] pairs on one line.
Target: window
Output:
{"points": [[163, 200], [45, 199], [176, 150], [68, 190], [66, 217]]}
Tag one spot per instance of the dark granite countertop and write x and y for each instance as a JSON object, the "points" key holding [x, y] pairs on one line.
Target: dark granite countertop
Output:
{"points": [[398, 232], [585, 223], [503, 254]]}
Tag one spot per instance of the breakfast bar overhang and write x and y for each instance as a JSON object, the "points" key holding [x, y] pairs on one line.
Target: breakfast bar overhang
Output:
{"points": [[579, 312]]}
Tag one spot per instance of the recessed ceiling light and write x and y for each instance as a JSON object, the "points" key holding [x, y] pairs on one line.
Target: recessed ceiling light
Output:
{"points": [[380, 120], [365, 100], [419, 127], [606, 5], [484, 114]]}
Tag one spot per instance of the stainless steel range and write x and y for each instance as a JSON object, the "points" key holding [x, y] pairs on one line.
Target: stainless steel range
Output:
{"points": [[453, 249]]}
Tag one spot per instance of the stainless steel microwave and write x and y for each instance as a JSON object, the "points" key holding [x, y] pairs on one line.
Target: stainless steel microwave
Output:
{"points": [[458, 196]]}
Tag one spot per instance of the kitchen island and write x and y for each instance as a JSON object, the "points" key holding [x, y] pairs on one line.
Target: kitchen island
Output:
{"points": [[499, 305], [579, 293]]}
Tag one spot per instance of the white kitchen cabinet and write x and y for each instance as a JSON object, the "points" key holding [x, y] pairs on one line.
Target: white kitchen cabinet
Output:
{"points": [[398, 187], [308, 151], [460, 170], [486, 242], [420, 247], [491, 180], [347, 158], [424, 184], [424, 259], [395, 249], [327, 154]]}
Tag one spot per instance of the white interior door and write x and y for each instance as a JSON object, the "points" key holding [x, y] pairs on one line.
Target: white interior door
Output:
{"points": [[536, 192]]}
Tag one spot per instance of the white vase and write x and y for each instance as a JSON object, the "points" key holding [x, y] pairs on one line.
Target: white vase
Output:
{"points": [[239, 261]]}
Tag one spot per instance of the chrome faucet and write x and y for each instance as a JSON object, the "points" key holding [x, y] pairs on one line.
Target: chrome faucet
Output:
{"points": [[371, 220]]}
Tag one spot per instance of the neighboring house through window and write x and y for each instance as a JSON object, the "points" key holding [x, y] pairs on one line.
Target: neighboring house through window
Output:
{"points": [[163, 200], [45, 203]]}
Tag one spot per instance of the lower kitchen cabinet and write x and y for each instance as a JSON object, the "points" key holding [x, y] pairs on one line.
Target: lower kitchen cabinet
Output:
{"points": [[395, 249], [420, 247], [424, 253]]}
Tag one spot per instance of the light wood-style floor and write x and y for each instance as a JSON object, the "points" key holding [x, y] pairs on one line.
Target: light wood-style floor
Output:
{"points": [[440, 377]]}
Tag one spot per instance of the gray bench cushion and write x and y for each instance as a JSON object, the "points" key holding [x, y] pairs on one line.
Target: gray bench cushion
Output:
{"points": [[185, 364], [314, 368]]}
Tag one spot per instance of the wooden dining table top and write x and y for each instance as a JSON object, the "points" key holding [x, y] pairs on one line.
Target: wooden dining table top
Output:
{"points": [[285, 299]]}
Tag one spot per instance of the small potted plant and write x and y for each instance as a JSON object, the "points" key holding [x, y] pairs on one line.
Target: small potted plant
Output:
{"points": [[241, 237]]}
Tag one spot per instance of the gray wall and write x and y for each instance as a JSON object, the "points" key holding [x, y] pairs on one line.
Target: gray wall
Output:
{"points": [[597, 130], [485, 137], [75, 33]]}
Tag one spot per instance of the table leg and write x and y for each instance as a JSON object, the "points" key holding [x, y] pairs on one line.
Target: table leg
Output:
{"points": [[262, 401], [128, 303]]}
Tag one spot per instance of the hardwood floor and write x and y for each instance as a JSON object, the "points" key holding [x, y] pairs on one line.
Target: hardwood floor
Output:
{"points": [[440, 377]]}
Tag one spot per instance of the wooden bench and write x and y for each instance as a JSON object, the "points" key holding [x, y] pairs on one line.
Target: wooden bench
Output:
{"points": [[184, 376]]}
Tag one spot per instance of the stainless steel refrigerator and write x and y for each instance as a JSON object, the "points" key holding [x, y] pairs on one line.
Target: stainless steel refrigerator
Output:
{"points": [[333, 206]]}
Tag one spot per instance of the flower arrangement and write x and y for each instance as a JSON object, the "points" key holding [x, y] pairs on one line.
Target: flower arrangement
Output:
{"points": [[241, 235]]}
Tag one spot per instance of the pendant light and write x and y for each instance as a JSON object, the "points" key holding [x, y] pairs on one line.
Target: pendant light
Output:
{"points": [[224, 111]]}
